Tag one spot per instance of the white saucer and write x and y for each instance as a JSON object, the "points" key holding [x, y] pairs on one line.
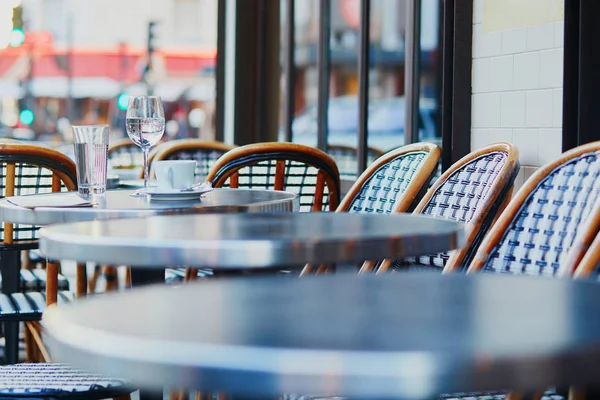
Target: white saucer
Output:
{"points": [[176, 194]]}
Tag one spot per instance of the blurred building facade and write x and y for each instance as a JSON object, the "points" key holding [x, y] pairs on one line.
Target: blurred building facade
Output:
{"points": [[80, 56]]}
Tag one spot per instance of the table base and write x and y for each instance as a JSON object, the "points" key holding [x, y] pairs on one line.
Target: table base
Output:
{"points": [[10, 264]]}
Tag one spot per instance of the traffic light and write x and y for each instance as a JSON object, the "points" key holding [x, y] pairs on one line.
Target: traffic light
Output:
{"points": [[151, 37], [123, 101], [17, 17], [26, 117], [17, 35]]}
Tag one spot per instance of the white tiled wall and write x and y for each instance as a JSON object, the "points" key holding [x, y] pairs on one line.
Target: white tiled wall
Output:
{"points": [[517, 89]]}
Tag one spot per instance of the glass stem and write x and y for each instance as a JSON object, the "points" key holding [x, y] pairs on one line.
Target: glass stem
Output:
{"points": [[146, 172]]}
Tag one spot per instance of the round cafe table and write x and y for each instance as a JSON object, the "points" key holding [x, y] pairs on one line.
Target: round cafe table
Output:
{"points": [[405, 335], [250, 241], [119, 204]]}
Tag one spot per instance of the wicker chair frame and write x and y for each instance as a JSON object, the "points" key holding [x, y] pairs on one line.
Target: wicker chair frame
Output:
{"points": [[280, 160], [52, 172], [411, 179], [442, 197], [561, 259]]}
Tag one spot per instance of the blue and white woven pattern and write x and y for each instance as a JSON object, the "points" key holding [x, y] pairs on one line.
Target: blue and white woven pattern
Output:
{"points": [[205, 158], [55, 380], [545, 227], [347, 161], [548, 395], [382, 190], [457, 199], [299, 178], [29, 179]]}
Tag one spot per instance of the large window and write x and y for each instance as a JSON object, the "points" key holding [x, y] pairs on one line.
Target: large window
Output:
{"points": [[386, 78]]}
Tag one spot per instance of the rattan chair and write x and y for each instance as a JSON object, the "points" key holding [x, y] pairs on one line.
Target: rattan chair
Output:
{"points": [[205, 153], [473, 191], [281, 166], [346, 158], [27, 169], [58, 381], [548, 227], [536, 233], [395, 182]]}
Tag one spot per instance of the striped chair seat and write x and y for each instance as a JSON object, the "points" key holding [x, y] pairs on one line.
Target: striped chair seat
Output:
{"points": [[28, 306], [176, 275], [548, 395], [52, 381], [34, 280]]}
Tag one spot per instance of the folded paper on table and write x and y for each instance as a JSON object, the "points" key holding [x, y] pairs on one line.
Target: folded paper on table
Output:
{"points": [[50, 200]]}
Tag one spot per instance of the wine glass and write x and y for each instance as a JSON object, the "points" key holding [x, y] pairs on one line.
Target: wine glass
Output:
{"points": [[145, 123]]}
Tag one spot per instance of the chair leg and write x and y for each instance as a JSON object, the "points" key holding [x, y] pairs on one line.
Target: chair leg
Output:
{"points": [[110, 274], [367, 267], [52, 269], [94, 280], [191, 274], [127, 277], [81, 280], [181, 394], [34, 329], [576, 394], [29, 346], [308, 270]]}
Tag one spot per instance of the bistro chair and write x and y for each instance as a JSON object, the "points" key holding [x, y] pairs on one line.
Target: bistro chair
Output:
{"points": [[205, 153], [395, 182], [550, 228], [473, 191], [537, 232], [58, 381], [27, 169], [588, 267], [346, 158], [281, 166]]}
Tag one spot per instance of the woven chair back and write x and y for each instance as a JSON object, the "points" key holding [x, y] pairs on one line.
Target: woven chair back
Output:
{"points": [[473, 191], [395, 182], [304, 170], [550, 222], [28, 169]]}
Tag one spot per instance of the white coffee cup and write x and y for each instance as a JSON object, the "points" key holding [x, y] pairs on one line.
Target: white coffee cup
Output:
{"points": [[174, 174]]}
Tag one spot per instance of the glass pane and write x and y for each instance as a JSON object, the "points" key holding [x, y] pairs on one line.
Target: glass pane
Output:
{"points": [[386, 80]]}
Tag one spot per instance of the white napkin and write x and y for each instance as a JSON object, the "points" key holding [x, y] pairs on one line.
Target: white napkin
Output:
{"points": [[70, 199]]}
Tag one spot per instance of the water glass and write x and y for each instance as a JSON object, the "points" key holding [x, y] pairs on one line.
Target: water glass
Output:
{"points": [[91, 157]]}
